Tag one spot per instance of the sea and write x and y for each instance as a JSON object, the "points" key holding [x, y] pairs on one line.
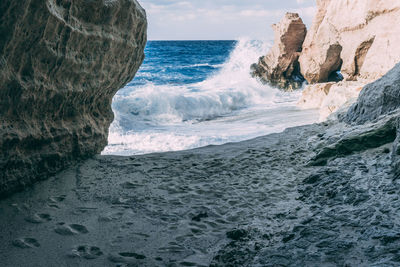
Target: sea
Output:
{"points": [[190, 94]]}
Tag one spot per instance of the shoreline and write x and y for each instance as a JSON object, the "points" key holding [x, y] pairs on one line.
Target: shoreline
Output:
{"points": [[292, 110]]}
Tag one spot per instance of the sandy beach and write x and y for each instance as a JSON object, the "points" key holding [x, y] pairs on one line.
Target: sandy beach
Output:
{"points": [[251, 202]]}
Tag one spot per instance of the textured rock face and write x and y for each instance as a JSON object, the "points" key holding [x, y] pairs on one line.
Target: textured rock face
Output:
{"points": [[341, 95], [378, 98], [61, 62], [329, 97], [280, 66], [313, 95], [359, 37]]}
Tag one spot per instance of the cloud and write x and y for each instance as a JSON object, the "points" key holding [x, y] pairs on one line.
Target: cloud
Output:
{"points": [[219, 19], [304, 1]]}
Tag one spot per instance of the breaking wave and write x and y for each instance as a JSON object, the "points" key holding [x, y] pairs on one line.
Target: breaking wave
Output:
{"points": [[153, 117]]}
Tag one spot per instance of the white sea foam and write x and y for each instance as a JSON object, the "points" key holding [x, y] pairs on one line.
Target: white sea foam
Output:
{"points": [[230, 89], [204, 65], [154, 118]]}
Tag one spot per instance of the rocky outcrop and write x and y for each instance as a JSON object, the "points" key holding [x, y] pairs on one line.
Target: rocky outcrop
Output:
{"points": [[359, 38], [280, 67], [355, 41], [376, 99], [61, 62], [329, 97], [313, 96]]}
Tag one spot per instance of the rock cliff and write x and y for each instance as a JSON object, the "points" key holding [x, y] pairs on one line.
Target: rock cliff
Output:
{"points": [[280, 67], [381, 97], [61, 62], [358, 38], [330, 97]]}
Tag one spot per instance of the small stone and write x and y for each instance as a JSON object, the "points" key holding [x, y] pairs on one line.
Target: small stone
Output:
{"points": [[237, 234]]}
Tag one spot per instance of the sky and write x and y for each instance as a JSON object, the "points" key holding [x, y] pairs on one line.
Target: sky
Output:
{"points": [[220, 19]]}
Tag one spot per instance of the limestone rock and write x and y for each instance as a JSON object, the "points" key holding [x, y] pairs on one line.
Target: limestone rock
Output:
{"points": [[314, 94], [341, 94], [378, 98], [280, 67], [359, 37], [330, 97], [61, 62]]}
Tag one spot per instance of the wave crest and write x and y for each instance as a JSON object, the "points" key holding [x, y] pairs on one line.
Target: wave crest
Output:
{"points": [[230, 89]]}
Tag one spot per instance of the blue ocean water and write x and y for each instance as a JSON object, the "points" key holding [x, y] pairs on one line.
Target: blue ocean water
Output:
{"points": [[190, 94], [182, 62]]}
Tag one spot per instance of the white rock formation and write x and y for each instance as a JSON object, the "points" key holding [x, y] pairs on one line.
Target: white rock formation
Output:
{"points": [[363, 35], [329, 97], [361, 38]]}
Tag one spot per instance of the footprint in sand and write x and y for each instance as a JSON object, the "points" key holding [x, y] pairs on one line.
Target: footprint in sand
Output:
{"points": [[57, 199], [130, 185], [86, 252], [71, 229], [125, 257], [26, 243], [39, 218], [53, 201]]}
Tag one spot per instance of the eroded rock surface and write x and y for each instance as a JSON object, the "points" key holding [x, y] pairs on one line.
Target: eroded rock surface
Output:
{"points": [[280, 67], [330, 97], [360, 38], [61, 63], [376, 99]]}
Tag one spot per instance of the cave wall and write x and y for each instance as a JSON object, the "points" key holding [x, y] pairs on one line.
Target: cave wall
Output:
{"points": [[61, 62]]}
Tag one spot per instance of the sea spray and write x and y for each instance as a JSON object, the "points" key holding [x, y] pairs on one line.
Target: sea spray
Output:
{"points": [[165, 110]]}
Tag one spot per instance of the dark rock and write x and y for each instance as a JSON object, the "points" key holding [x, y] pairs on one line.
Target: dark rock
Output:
{"points": [[374, 136], [376, 99], [61, 62]]}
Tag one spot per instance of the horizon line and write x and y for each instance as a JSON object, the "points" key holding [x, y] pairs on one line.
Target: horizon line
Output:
{"points": [[193, 40]]}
